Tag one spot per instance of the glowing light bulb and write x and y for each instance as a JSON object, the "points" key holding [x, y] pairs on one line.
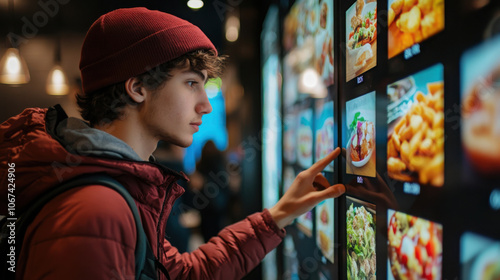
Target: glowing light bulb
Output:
{"points": [[57, 83], [13, 68], [310, 78], [13, 64], [310, 83], [195, 4], [232, 28]]}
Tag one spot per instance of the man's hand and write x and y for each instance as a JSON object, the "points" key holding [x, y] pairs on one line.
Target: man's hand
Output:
{"points": [[308, 189]]}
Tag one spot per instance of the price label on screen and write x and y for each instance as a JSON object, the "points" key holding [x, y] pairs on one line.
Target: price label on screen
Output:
{"points": [[411, 188], [359, 179], [412, 51]]}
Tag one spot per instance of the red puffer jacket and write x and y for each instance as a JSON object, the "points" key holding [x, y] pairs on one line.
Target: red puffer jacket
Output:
{"points": [[89, 232]]}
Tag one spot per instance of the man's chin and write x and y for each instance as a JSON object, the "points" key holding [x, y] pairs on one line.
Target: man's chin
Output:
{"points": [[183, 143]]}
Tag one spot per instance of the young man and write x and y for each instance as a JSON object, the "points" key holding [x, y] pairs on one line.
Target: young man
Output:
{"points": [[143, 75]]}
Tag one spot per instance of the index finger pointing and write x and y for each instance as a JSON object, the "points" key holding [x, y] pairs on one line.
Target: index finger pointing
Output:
{"points": [[322, 163]]}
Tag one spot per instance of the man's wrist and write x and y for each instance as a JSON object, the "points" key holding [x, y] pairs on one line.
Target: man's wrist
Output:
{"points": [[279, 217]]}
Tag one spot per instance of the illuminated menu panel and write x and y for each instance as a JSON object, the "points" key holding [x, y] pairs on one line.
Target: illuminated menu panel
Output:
{"points": [[360, 228], [413, 21], [325, 230], [360, 149], [415, 116], [361, 38], [480, 94], [479, 257], [415, 247]]}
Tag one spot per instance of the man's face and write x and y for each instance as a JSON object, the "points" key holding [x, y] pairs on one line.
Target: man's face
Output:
{"points": [[173, 113]]}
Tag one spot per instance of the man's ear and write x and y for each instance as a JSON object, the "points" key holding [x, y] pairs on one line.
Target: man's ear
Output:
{"points": [[135, 90]]}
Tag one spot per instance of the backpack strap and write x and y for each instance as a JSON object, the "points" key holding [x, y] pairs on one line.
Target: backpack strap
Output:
{"points": [[144, 265]]}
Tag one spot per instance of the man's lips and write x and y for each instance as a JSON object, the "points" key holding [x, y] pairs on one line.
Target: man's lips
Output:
{"points": [[196, 125]]}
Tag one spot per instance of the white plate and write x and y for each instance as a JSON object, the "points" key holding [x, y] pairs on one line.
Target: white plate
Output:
{"points": [[361, 162]]}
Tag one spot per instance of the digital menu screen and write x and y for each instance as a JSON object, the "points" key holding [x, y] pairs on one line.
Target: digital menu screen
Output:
{"points": [[271, 131], [415, 116], [415, 108], [480, 97], [361, 38], [324, 42], [324, 130], [308, 36], [271, 124], [305, 223], [325, 228], [290, 124], [413, 21], [360, 122], [479, 257], [305, 138], [361, 232], [415, 247]]}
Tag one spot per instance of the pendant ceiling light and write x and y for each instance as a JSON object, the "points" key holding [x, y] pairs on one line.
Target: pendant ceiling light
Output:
{"points": [[57, 81], [195, 4], [13, 68]]}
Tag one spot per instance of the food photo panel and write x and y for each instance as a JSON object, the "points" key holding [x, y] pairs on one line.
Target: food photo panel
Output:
{"points": [[415, 247], [290, 124], [305, 138], [415, 132], [480, 98], [361, 235], [360, 149], [324, 130], [325, 229], [479, 257], [413, 21], [324, 42], [304, 223], [361, 38]]}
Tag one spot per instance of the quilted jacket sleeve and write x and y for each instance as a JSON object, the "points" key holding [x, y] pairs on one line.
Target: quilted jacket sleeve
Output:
{"points": [[85, 233], [236, 250]]}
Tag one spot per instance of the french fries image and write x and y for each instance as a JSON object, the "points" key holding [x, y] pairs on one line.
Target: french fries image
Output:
{"points": [[412, 21], [415, 149], [397, 6]]}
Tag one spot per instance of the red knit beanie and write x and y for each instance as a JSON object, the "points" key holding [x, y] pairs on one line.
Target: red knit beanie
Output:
{"points": [[128, 42]]}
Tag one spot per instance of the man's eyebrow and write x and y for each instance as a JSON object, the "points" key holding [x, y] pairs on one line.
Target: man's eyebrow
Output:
{"points": [[199, 73]]}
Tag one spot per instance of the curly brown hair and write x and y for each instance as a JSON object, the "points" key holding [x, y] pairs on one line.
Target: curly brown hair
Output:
{"points": [[106, 105]]}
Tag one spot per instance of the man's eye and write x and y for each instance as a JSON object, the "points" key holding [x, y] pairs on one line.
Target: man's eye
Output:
{"points": [[192, 83]]}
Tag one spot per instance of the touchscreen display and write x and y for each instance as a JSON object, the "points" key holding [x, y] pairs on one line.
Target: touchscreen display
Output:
{"points": [[308, 29], [412, 21], [305, 223], [324, 42], [360, 149], [415, 248], [324, 127], [479, 257], [290, 123], [325, 230], [415, 116], [271, 131], [480, 94], [360, 229], [361, 38], [305, 138]]}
